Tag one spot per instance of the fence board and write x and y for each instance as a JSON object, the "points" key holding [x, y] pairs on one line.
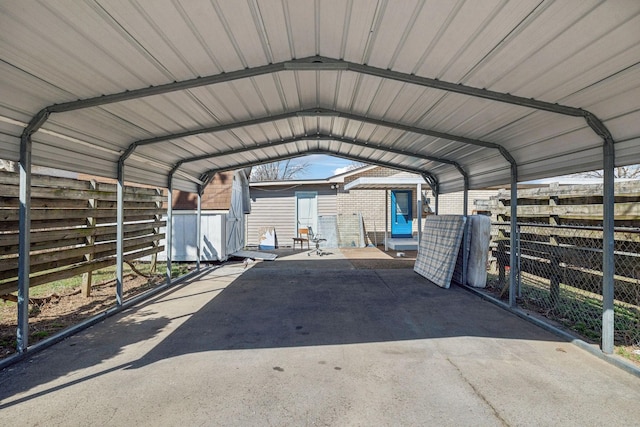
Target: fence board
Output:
{"points": [[102, 232], [621, 189], [12, 226], [9, 215], [80, 194], [55, 259], [14, 202], [622, 211], [12, 178], [76, 269], [63, 215]]}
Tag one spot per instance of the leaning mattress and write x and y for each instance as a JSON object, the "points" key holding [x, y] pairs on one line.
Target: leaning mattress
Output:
{"points": [[439, 246]]}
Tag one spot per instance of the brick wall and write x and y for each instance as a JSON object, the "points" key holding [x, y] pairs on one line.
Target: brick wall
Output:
{"points": [[452, 203], [374, 204], [371, 204]]}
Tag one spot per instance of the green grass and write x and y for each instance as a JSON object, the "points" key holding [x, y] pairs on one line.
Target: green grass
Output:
{"points": [[40, 334], [624, 352], [581, 311], [66, 286]]}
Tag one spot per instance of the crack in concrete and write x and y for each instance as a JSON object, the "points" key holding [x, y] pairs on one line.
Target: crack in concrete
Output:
{"points": [[384, 282], [479, 394]]}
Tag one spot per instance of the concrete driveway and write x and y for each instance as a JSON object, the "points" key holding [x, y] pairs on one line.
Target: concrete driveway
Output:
{"points": [[314, 341]]}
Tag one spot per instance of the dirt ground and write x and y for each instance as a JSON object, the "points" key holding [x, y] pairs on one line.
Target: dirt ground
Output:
{"points": [[55, 313]]}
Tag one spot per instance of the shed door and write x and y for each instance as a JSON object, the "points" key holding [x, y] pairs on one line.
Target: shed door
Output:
{"points": [[307, 210], [235, 219], [401, 215]]}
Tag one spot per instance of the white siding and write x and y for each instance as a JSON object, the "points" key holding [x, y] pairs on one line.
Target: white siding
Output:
{"points": [[274, 206], [184, 237]]}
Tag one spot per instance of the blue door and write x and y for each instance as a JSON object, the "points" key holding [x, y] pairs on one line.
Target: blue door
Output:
{"points": [[401, 215]]}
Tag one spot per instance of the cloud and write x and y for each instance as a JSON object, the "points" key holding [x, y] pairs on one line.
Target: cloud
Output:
{"points": [[344, 169]]}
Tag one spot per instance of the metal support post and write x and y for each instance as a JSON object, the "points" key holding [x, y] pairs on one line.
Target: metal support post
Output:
{"points": [[24, 244], [168, 248], [120, 235], [199, 228], [608, 246], [513, 238], [465, 239], [419, 206], [386, 219], [465, 195], [519, 267]]}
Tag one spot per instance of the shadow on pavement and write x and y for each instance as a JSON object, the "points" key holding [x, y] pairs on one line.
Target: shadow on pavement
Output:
{"points": [[290, 303], [101, 342], [287, 303]]}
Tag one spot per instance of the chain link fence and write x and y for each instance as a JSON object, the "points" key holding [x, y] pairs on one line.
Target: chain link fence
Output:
{"points": [[560, 276]]}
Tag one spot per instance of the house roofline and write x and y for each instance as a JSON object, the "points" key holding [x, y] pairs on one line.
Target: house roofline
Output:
{"points": [[355, 171], [289, 182]]}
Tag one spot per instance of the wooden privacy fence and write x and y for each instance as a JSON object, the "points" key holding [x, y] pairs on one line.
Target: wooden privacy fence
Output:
{"points": [[73, 228], [561, 237]]}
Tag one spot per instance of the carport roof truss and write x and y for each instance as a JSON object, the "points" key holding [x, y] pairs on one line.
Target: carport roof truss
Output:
{"points": [[489, 85], [321, 64]]}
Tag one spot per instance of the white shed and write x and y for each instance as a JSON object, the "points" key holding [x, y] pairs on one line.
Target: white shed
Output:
{"points": [[225, 204]]}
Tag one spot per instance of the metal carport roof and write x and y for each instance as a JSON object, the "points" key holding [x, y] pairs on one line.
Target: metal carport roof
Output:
{"points": [[455, 90], [382, 73]]}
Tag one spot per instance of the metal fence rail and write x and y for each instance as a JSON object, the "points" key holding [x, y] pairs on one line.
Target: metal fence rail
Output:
{"points": [[560, 271]]}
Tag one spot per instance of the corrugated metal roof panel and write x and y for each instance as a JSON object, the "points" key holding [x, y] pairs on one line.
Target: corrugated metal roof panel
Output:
{"points": [[583, 54], [586, 28], [10, 140], [463, 23]]}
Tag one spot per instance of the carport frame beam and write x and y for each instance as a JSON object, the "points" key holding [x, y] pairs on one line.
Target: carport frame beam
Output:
{"points": [[24, 245], [319, 112], [513, 240], [169, 226], [317, 137], [318, 63], [313, 151], [199, 226], [120, 235], [435, 190]]}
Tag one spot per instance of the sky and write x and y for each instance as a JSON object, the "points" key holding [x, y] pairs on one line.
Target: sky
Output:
{"points": [[322, 166]]}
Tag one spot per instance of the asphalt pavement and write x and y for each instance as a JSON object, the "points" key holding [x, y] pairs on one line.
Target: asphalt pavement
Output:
{"points": [[309, 340]]}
